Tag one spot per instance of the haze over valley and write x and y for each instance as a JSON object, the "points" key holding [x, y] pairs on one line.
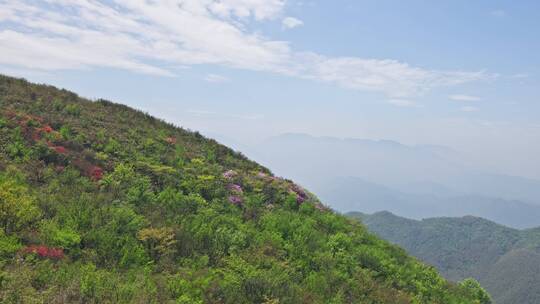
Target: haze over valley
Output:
{"points": [[413, 181]]}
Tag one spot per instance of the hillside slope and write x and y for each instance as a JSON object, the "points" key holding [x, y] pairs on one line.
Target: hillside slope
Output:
{"points": [[505, 260], [100, 203]]}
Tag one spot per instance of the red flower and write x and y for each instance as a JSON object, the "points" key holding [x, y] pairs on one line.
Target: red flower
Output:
{"points": [[47, 129], [60, 150], [55, 253], [45, 252], [42, 251], [96, 173]]}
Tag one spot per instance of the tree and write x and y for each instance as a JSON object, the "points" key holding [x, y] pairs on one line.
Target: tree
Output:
{"points": [[159, 241], [473, 287], [63, 237]]}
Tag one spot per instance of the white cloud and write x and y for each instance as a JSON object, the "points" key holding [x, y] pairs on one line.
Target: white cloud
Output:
{"points": [[403, 103], [216, 78], [155, 37], [290, 22], [460, 97], [469, 109], [260, 9], [394, 78]]}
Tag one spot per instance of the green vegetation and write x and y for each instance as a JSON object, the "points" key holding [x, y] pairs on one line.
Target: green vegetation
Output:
{"points": [[504, 260], [100, 203]]}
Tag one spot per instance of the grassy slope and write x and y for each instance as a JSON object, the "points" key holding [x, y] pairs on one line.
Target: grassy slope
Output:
{"points": [[100, 203], [503, 259]]}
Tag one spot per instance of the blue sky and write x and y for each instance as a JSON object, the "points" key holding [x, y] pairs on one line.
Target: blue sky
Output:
{"points": [[464, 74]]}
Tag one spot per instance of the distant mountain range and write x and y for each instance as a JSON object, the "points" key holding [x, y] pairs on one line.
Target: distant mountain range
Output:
{"points": [[414, 181], [349, 192], [505, 261]]}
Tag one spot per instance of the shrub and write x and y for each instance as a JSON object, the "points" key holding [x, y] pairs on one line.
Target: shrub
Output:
{"points": [[17, 207], [65, 132], [112, 147], [73, 109], [159, 241], [58, 105], [63, 237], [9, 245]]}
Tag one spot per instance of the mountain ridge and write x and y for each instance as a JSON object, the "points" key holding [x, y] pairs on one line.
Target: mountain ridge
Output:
{"points": [[503, 259]]}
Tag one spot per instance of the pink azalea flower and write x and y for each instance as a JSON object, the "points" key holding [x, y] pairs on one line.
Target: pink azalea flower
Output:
{"points": [[301, 195], [229, 174], [235, 188], [235, 200]]}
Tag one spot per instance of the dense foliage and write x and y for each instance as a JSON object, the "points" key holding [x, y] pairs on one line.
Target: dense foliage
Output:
{"points": [[100, 203], [505, 261]]}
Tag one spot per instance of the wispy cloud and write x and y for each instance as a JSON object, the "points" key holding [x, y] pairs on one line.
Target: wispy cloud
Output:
{"points": [[469, 109], [460, 97], [154, 37], [290, 22], [214, 78]]}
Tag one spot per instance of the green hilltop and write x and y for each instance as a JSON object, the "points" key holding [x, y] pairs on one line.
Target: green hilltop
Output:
{"points": [[504, 260], [100, 203]]}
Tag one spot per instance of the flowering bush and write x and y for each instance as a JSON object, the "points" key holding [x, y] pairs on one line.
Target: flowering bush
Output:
{"points": [[96, 173], [171, 140], [60, 149], [229, 174], [45, 252], [301, 195], [235, 188], [237, 200], [47, 129]]}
